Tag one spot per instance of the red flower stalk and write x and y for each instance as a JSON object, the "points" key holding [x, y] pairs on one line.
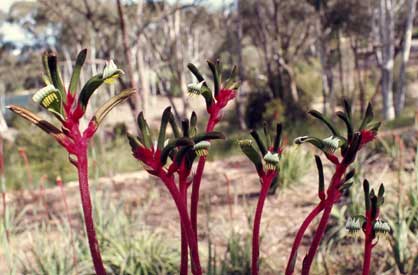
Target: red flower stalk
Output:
{"points": [[340, 180], [267, 172], [182, 150], [371, 225], [69, 108], [223, 93]]}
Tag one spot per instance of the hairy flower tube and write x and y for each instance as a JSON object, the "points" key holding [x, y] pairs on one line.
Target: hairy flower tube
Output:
{"points": [[266, 162], [69, 107], [166, 157], [341, 151], [216, 100], [372, 226]]}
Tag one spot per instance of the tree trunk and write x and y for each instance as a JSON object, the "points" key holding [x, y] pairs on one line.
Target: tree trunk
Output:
{"points": [[387, 37], [133, 101], [326, 75], [239, 98], [144, 81], [406, 48], [358, 76]]}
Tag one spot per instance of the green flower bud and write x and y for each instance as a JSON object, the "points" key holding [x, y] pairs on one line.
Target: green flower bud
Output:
{"points": [[111, 72], [195, 88], [332, 143], [353, 226], [49, 97], [381, 229], [271, 160], [202, 148]]}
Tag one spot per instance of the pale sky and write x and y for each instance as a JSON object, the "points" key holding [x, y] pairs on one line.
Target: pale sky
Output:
{"points": [[12, 32]]}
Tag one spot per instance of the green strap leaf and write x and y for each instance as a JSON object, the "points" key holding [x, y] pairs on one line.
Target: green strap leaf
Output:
{"points": [[181, 154], [321, 182], [380, 194], [366, 190], [75, 77], [266, 133], [328, 123], [55, 73], [248, 149], [216, 76], [89, 88], [47, 127], [110, 104], [260, 143], [163, 127], [47, 77], [352, 150], [347, 108], [350, 175], [172, 145], [195, 71], [368, 116], [312, 140], [144, 129], [193, 124], [185, 125], [109, 75], [343, 117], [174, 127], [278, 137], [208, 136]]}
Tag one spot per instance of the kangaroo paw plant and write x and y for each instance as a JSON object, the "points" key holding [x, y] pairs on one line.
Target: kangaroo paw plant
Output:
{"points": [[216, 100], [69, 107], [371, 224], [341, 151], [266, 162], [167, 158]]}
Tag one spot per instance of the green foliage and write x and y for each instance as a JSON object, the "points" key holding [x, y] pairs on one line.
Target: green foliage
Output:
{"points": [[294, 163], [45, 155], [128, 250], [237, 259], [49, 253]]}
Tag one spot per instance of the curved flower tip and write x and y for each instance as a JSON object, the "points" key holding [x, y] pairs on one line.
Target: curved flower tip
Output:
{"points": [[49, 98], [111, 72], [271, 160], [353, 227], [381, 229], [202, 148], [195, 88]]}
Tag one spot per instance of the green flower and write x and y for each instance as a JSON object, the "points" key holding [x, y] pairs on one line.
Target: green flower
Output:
{"points": [[271, 160], [111, 72]]}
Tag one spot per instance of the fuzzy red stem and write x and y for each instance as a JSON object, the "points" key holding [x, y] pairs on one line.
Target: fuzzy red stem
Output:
{"points": [[265, 186], [184, 245], [188, 229], [194, 201], [368, 245], [87, 209], [333, 194], [298, 239]]}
